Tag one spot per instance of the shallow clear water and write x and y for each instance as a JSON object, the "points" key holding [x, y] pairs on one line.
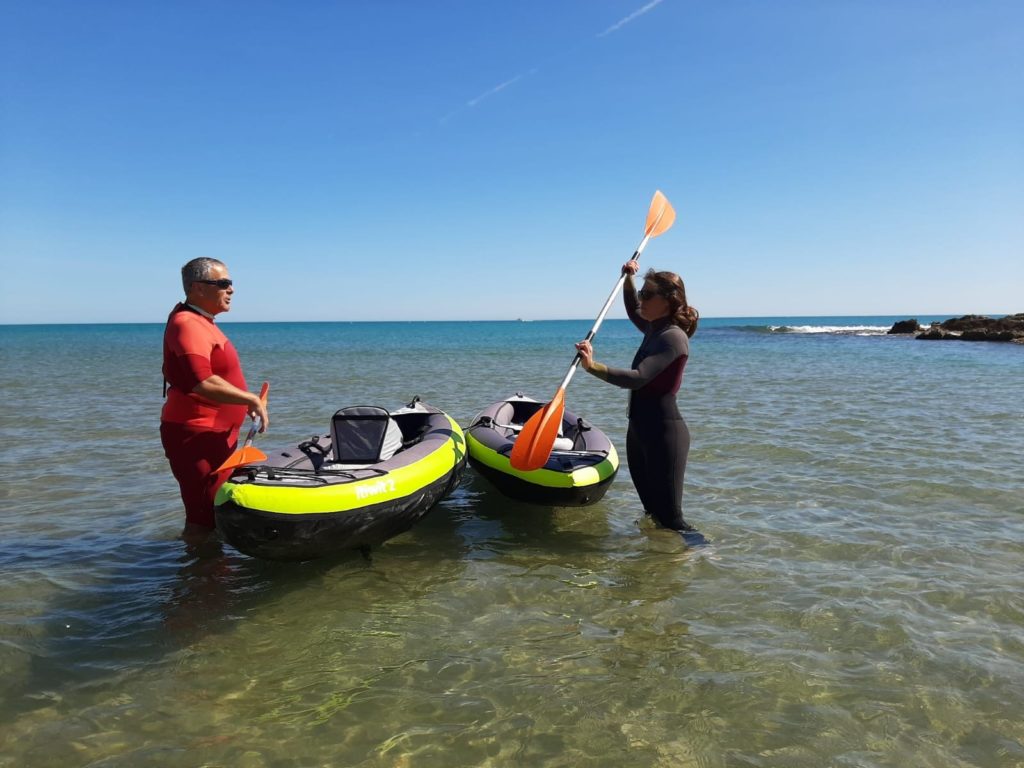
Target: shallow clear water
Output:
{"points": [[860, 602]]}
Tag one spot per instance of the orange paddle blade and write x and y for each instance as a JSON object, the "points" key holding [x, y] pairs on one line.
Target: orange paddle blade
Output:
{"points": [[533, 446], [241, 457], [660, 216], [246, 454]]}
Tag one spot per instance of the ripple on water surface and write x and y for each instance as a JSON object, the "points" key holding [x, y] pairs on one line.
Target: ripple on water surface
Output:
{"points": [[859, 602]]}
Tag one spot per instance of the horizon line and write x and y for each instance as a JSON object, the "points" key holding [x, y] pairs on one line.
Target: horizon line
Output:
{"points": [[518, 320]]}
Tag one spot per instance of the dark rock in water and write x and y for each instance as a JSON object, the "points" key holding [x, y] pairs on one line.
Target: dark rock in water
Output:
{"points": [[935, 332], [905, 326], [990, 336], [977, 328], [967, 323]]}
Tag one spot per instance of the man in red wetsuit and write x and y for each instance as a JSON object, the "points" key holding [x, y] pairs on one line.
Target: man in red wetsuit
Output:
{"points": [[207, 399]]}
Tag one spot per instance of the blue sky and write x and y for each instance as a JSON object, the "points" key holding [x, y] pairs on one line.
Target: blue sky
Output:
{"points": [[479, 160]]}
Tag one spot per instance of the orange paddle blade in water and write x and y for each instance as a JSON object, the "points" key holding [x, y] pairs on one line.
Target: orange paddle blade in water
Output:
{"points": [[533, 446]]}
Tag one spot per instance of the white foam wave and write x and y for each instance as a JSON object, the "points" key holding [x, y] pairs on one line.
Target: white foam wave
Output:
{"points": [[855, 330]]}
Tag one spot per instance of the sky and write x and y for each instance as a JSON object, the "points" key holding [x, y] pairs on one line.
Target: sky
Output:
{"points": [[458, 160]]}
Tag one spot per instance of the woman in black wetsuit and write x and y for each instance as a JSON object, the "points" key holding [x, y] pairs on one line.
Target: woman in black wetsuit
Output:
{"points": [[657, 441]]}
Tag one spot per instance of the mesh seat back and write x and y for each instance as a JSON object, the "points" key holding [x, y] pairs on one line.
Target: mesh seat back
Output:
{"points": [[362, 434]]}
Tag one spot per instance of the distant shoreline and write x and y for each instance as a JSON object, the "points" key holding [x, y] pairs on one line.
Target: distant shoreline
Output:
{"points": [[883, 319]]}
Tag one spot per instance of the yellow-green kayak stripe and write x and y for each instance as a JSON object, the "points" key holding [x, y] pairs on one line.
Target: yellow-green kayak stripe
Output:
{"points": [[548, 478], [396, 484]]}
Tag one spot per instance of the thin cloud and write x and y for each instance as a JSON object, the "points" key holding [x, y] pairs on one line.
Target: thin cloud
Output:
{"points": [[488, 93], [513, 80], [634, 15], [494, 90]]}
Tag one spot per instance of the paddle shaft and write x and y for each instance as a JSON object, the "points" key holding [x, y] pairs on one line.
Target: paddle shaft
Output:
{"points": [[252, 432], [604, 311], [247, 454], [256, 423]]}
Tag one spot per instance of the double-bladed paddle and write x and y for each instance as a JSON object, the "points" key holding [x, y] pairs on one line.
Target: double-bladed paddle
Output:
{"points": [[533, 446], [247, 454]]}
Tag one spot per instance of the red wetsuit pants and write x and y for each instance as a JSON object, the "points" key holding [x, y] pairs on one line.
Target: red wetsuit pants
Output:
{"points": [[193, 455]]}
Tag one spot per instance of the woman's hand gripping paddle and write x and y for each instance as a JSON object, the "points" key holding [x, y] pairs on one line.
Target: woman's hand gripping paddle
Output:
{"points": [[247, 454], [533, 446]]}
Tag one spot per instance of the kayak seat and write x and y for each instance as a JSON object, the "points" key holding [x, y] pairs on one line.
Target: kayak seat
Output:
{"points": [[361, 436], [562, 444], [505, 418], [413, 426]]}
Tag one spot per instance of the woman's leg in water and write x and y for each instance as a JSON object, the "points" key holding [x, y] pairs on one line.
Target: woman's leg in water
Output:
{"points": [[636, 459], [662, 449]]}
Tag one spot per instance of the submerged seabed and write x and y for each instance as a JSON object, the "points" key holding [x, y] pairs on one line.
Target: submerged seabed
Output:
{"points": [[860, 603]]}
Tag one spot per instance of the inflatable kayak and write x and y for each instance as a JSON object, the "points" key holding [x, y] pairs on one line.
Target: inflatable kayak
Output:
{"points": [[582, 465], [371, 478]]}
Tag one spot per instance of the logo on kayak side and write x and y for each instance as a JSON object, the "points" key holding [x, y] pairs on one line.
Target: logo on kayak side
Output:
{"points": [[381, 486]]}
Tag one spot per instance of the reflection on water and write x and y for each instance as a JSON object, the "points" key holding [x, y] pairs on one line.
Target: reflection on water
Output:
{"points": [[859, 603]]}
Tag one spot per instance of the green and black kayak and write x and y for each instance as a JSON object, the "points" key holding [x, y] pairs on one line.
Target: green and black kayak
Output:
{"points": [[582, 465], [371, 478]]}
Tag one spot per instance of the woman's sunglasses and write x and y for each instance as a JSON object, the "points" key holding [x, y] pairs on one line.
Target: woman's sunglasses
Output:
{"points": [[222, 283], [643, 294]]}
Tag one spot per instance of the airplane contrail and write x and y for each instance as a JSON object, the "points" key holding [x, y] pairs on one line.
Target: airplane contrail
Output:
{"points": [[513, 80], [494, 90], [635, 14], [489, 92]]}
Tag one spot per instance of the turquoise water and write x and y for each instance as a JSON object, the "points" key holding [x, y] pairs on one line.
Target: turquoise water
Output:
{"points": [[859, 604]]}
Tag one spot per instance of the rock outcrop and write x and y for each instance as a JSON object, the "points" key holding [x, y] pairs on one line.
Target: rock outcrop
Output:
{"points": [[905, 326], [976, 328]]}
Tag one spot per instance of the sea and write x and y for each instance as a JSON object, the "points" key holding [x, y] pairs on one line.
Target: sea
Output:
{"points": [[859, 600]]}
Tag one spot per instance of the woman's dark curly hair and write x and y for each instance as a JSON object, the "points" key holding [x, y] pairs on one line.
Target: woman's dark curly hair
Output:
{"points": [[670, 285]]}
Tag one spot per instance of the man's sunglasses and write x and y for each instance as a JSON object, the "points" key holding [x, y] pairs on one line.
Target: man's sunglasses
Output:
{"points": [[222, 283]]}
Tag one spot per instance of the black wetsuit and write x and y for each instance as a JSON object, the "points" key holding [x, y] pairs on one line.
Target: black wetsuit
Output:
{"points": [[658, 440]]}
